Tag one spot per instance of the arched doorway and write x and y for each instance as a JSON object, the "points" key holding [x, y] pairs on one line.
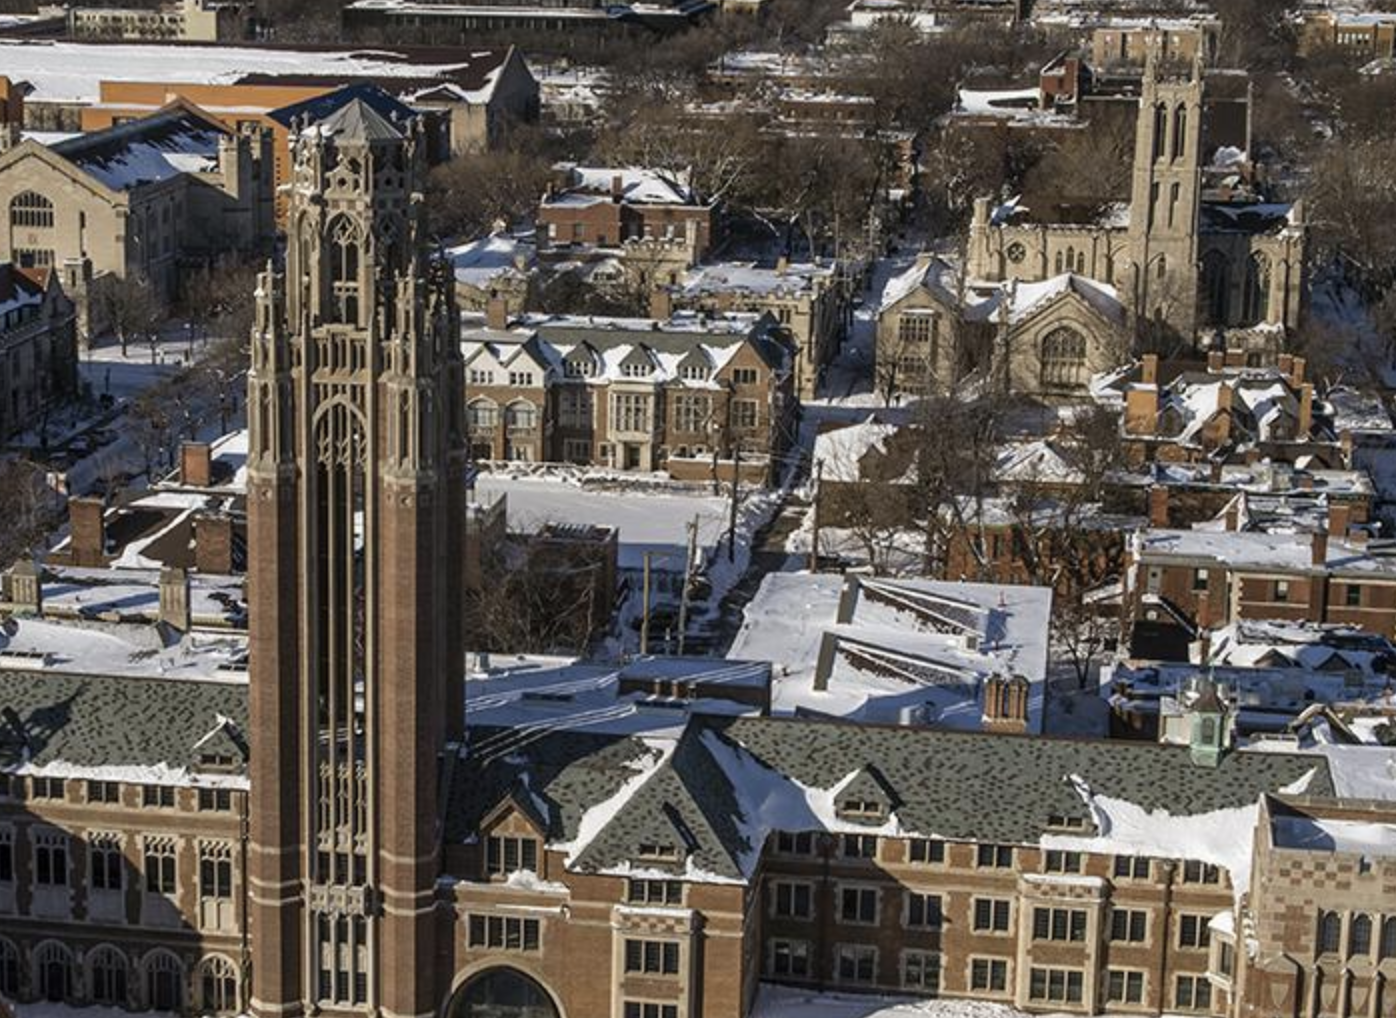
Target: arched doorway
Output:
{"points": [[502, 993]]}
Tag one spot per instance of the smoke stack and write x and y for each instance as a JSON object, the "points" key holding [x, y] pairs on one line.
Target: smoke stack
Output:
{"points": [[617, 187], [1306, 409], [1339, 518], [1320, 548], [497, 314], [213, 543], [1158, 506]]}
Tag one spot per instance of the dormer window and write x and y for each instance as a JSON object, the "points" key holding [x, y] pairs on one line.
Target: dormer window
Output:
{"points": [[695, 373], [481, 376], [656, 852], [1061, 822], [861, 809], [635, 369], [506, 854]]}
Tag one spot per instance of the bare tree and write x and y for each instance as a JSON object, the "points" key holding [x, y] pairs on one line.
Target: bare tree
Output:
{"points": [[131, 309], [29, 509]]}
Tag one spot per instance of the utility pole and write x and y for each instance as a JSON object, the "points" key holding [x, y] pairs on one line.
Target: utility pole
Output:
{"points": [[736, 485], [688, 571], [814, 540], [645, 617]]}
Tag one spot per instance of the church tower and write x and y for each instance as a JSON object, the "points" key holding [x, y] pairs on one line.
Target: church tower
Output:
{"points": [[355, 508], [1165, 199]]}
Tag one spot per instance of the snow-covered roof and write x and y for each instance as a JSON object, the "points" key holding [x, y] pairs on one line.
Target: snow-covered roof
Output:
{"points": [[1017, 300], [70, 72], [638, 186], [146, 151], [479, 262], [749, 278], [931, 272], [1256, 551], [934, 643], [841, 451], [1313, 832]]}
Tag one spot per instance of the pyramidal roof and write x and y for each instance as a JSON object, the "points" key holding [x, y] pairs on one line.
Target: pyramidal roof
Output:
{"points": [[358, 121]]}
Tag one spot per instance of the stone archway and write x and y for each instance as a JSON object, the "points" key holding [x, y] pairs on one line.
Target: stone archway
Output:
{"points": [[502, 992]]}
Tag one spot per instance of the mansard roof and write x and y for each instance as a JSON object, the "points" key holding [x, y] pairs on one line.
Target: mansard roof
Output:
{"points": [[120, 728]]}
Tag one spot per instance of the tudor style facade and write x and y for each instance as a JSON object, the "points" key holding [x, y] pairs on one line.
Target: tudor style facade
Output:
{"points": [[689, 395]]}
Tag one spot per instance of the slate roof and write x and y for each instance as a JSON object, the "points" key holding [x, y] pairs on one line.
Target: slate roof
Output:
{"points": [[357, 121], [955, 785], [177, 139], [322, 106], [93, 721]]}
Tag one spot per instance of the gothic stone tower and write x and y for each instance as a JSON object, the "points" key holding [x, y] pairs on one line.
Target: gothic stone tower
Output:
{"points": [[355, 502], [1166, 193]]}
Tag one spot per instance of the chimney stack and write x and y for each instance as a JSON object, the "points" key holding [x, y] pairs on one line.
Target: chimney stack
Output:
{"points": [[661, 304], [1306, 410], [196, 465], [213, 543], [1141, 410], [174, 598], [1339, 519], [88, 532], [1320, 548], [1296, 375], [1232, 516], [26, 585], [1148, 369], [617, 187], [1216, 360], [497, 314], [1158, 506]]}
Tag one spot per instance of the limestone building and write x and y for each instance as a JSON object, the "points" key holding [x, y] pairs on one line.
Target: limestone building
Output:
{"points": [[38, 347]]}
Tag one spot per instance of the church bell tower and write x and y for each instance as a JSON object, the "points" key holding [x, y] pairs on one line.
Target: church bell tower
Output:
{"points": [[355, 508]]}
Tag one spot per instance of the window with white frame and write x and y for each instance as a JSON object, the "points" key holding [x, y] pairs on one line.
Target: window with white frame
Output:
{"points": [[1124, 986], [921, 971], [855, 963], [790, 959], [792, 899]]}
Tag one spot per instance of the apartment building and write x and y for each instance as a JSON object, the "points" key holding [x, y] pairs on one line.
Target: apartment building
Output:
{"points": [[811, 301], [181, 21], [691, 394]]}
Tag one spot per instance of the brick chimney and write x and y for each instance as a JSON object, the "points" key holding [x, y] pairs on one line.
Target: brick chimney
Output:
{"points": [[1320, 548], [88, 526], [1148, 369], [1339, 519], [497, 314], [213, 543], [617, 187], [196, 465], [174, 598], [1224, 398], [1216, 360], [1286, 364], [1296, 374], [1232, 517], [1141, 410], [1306, 410], [1158, 506], [26, 587], [661, 304]]}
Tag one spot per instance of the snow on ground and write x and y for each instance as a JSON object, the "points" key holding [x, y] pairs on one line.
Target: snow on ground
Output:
{"points": [[788, 1002]]}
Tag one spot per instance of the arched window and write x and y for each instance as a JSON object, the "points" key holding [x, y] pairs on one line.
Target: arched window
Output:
{"points": [[1216, 282], [483, 415], [1063, 359], [521, 416], [344, 241], [1256, 304], [108, 981], [1057, 263], [9, 968], [1360, 936], [31, 209], [1387, 948], [218, 985], [1162, 269], [1180, 129], [1160, 130], [53, 964], [1330, 933], [1080, 263], [1070, 259], [502, 993], [164, 982]]}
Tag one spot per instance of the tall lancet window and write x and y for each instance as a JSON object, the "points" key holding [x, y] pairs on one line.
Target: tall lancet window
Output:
{"points": [[343, 254]]}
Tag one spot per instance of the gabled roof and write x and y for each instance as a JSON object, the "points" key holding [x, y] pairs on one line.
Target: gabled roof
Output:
{"points": [[322, 107], [178, 139], [1016, 302]]}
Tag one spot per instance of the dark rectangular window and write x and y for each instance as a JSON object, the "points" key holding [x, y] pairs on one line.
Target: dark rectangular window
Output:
{"points": [[502, 933], [649, 1009], [505, 855], [1129, 924], [790, 958], [860, 846], [858, 904], [1193, 931], [215, 800], [160, 868], [107, 866], [652, 957], [103, 791], [1131, 867], [991, 915], [1059, 986], [158, 796], [795, 843], [794, 900], [1067, 924], [1195, 872], [925, 851], [654, 892], [1124, 987], [51, 861], [923, 911], [999, 857], [46, 788], [988, 974]]}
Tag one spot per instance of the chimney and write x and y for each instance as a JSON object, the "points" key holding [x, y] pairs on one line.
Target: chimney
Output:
{"points": [[1214, 473], [88, 526], [617, 187], [1306, 410], [1148, 369], [1224, 394], [196, 465], [782, 264], [26, 585], [1141, 410], [213, 543], [661, 304], [1232, 516], [497, 313], [1320, 548], [1158, 506], [174, 598], [1216, 360], [1286, 364], [1296, 375], [1339, 519]]}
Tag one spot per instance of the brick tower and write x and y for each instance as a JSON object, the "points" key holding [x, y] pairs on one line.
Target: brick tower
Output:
{"points": [[355, 505]]}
